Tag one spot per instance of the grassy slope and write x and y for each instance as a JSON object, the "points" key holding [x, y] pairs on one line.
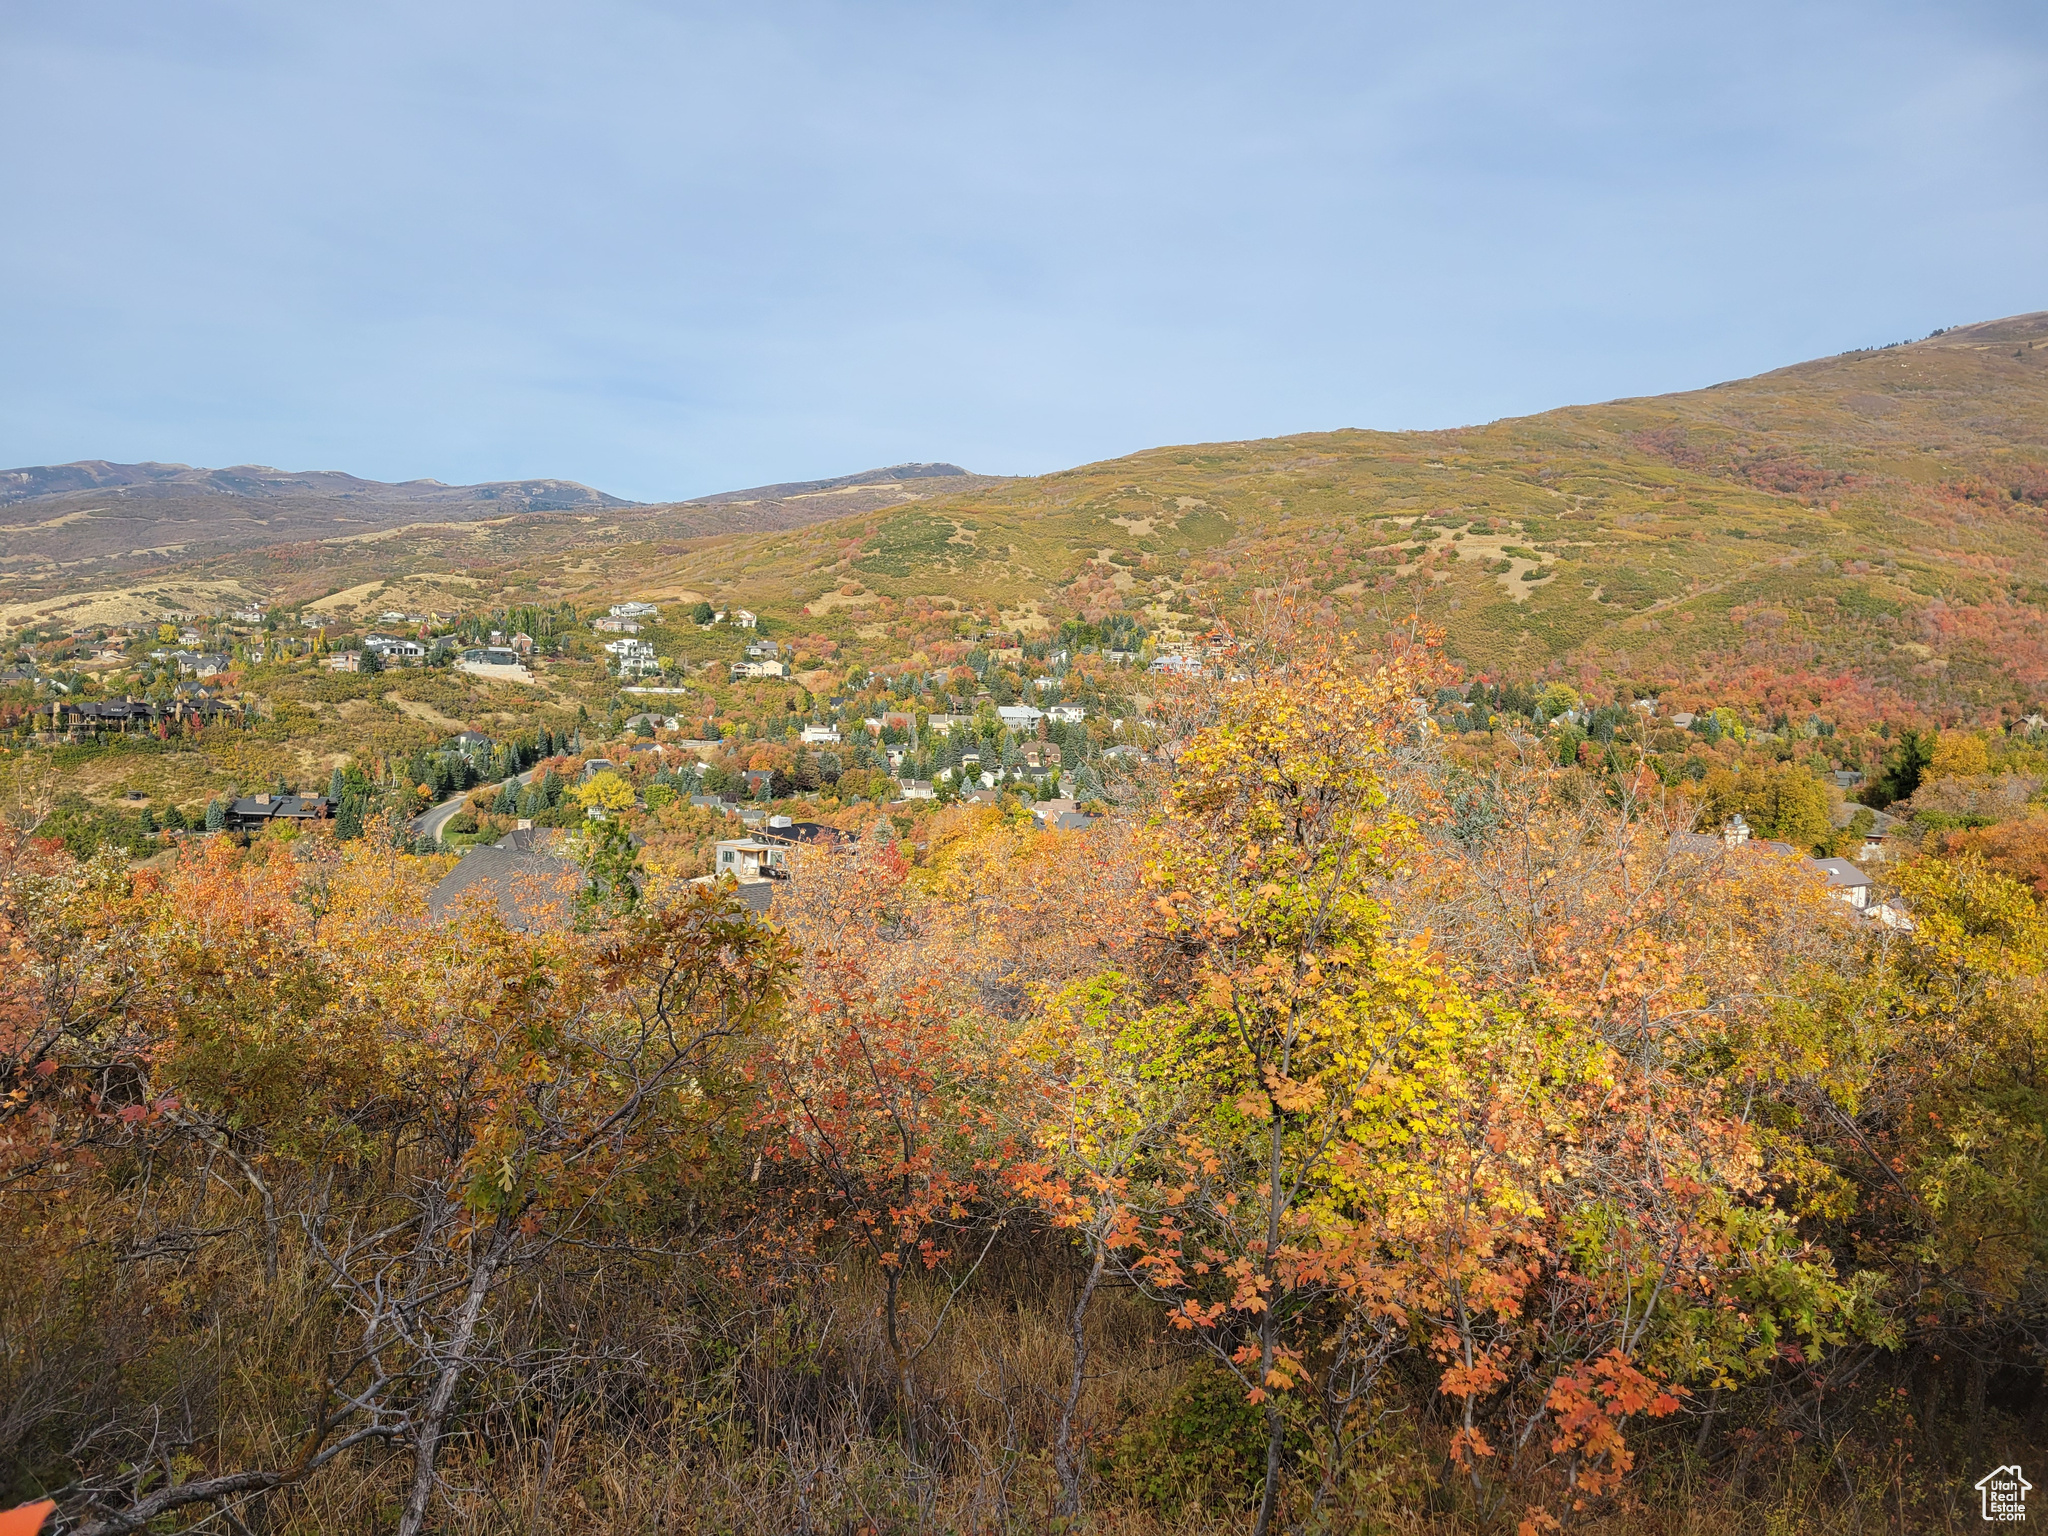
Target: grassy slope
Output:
{"points": [[1802, 521], [1707, 531]]}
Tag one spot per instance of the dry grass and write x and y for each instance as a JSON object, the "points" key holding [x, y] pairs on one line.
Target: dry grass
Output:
{"points": [[653, 1401]]}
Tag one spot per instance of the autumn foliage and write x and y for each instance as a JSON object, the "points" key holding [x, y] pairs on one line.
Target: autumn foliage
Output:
{"points": [[1463, 1118]]}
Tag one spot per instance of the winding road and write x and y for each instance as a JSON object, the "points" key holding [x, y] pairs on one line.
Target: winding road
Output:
{"points": [[433, 822]]}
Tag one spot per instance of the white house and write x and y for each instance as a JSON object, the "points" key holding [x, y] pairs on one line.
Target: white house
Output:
{"points": [[395, 649], [1019, 717], [821, 735], [747, 858], [635, 657], [635, 611], [1844, 880], [1068, 714]]}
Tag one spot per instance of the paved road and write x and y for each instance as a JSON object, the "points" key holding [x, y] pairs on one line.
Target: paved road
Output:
{"points": [[434, 822]]}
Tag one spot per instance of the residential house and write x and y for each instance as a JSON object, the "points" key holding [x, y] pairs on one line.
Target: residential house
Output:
{"points": [[111, 715], [1061, 815], [943, 725], [635, 658], [396, 650], [756, 895], [592, 767], [919, 789], [530, 887], [1068, 714], [646, 611], [782, 829], [1019, 717], [743, 670], [616, 626], [1844, 880], [750, 858], [821, 735], [254, 812]]}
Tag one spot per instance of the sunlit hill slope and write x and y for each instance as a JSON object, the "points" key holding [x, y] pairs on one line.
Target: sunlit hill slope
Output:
{"points": [[1879, 513], [1876, 517]]}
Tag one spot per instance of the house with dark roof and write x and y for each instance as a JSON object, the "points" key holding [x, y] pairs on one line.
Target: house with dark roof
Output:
{"points": [[784, 830], [528, 886], [254, 812]]}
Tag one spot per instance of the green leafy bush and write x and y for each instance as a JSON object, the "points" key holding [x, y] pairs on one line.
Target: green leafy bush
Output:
{"points": [[1203, 1445]]}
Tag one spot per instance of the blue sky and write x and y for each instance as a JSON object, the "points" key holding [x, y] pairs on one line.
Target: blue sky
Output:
{"points": [[672, 249]]}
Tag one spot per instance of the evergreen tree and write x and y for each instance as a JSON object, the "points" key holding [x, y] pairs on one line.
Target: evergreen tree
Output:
{"points": [[348, 814], [216, 815]]}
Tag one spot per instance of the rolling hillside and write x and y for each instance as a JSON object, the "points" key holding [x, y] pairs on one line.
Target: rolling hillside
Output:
{"points": [[1875, 519], [1878, 515], [95, 542]]}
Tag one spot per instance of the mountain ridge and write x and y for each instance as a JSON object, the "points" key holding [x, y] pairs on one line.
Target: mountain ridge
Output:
{"points": [[113, 517], [152, 479], [1876, 521]]}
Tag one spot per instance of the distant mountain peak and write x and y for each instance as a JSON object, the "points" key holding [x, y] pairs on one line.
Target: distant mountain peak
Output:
{"points": [[788, 490]]}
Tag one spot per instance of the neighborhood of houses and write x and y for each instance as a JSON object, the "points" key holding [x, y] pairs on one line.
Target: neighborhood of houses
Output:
{"points": [[1841, 878]]}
